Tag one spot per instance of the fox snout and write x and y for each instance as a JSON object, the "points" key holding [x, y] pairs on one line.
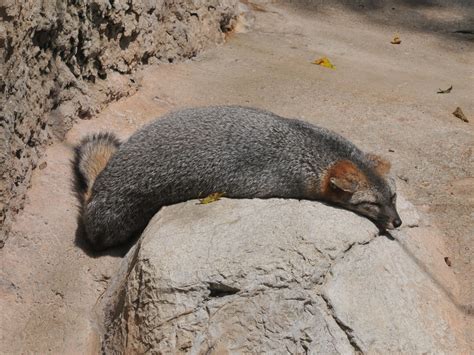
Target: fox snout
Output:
{"points": [[394, 224], [389, 218]]}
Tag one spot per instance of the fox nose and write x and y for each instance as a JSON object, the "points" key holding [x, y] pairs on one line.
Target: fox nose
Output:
{"points": [[397, 222]]}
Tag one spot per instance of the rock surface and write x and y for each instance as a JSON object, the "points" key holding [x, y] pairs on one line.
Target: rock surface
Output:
{"points": [[64, 60], [275, 276]]}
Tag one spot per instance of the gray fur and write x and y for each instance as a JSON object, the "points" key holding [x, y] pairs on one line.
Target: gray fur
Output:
{"points": [[242, 152]]}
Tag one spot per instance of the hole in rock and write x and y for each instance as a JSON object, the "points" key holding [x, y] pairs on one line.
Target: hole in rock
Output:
{"points": [[220, 290]]}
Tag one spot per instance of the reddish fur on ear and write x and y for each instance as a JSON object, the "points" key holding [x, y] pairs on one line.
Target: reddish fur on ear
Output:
{"points": [[381, 165], [341, 180]]}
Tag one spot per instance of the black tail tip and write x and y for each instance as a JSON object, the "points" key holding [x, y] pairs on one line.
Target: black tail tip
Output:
{"points": [[103, 137]]}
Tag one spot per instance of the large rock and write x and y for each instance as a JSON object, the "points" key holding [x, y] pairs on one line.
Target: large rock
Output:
{"points": [[60, 60], [277, 276]]}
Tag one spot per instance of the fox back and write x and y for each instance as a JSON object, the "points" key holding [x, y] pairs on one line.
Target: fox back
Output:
{"points": [[240, 152]]}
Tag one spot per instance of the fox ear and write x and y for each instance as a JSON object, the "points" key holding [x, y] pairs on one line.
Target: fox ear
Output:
{"points": [[344, 184], [345, 176], [381, 165]]}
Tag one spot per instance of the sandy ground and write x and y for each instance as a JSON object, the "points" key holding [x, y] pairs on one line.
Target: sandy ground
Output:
{"points": [[381, 96]]}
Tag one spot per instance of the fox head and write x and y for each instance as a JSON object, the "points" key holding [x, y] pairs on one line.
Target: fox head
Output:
{"points": [[366, 190]]}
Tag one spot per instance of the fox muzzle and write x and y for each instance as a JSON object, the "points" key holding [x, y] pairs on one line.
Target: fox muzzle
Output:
{"points": [[390, 218]]}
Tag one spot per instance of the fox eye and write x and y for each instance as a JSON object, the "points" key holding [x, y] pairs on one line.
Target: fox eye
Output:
{"points": [[367, 204]]}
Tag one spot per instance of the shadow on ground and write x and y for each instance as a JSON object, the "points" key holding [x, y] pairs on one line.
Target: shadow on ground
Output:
{"points": [[119, 251], [454, 19]]}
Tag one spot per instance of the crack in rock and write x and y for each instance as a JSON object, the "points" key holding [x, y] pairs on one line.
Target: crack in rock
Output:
{"points": [[344, 327]]}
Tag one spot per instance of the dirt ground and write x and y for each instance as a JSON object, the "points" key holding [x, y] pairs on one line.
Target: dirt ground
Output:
{"points": [[382, 96]]}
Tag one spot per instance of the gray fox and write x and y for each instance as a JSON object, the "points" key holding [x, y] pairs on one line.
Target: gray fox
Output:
{"points": [[239, 151]]}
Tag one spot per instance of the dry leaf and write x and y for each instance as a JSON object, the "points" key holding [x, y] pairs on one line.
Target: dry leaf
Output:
{"points": [[216, 196], [459, 114], [447, 91], [324, 62], [396, 40]]}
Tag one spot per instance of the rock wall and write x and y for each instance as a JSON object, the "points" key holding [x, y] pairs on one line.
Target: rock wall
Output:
{"points": [[63, 60], [281, 276]]}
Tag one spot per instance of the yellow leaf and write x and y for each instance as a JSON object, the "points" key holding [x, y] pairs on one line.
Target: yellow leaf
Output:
{"points": [[324, 62], [216, 196], [396, 40]]}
